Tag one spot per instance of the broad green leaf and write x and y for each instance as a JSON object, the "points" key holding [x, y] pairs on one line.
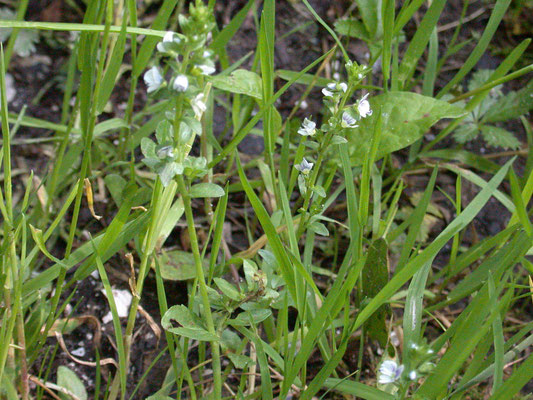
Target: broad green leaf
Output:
{"points": [[240, 81], [370, 12], [406, 118], [206, 189], [191, 326], [466, 132], [67, 379], [178, 265], [245, 318], [375, 277]]}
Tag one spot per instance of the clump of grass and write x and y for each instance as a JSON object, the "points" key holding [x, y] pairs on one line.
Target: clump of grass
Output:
{"points": [[342, 288]]}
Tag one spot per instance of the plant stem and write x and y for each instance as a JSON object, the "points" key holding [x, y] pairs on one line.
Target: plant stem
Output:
{"points": [[202, 286]]}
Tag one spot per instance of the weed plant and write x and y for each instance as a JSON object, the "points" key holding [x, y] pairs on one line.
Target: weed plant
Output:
{"points": [[348, 286]]}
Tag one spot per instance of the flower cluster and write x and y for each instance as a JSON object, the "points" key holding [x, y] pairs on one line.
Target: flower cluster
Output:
{"points": [[188, 62]]}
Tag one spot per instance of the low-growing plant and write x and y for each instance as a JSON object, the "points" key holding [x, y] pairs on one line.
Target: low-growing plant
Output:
{"points": [[348, 277]]}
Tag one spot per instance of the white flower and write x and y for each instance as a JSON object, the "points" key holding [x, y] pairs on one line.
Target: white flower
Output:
{"points": [[206, 69], [169, 37], [332, 87], [412, 375], [348, 121], [307, 128], [389, 372], [328, 90], [153, 79], [364, 107], [181, 83], [198, 105], [304, 167]]}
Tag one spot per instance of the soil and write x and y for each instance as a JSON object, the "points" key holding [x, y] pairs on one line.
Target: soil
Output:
{"points": [[42, 75]]}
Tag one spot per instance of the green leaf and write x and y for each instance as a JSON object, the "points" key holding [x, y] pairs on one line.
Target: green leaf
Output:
{"points": [[466, 133], [148, 148], [228, 289], [240, 361], [498, 137], [115, 184], [191, 325], [375, 277], [370, 12], [113, 68], [319, 228], [319, 190], [336, 139], [68, 380], [164, 132], [178, 265], [251, 316], [406, 118], [357, 389], [168, 171], [240, 81], [206, 189], [352, 27], [513, 105]]}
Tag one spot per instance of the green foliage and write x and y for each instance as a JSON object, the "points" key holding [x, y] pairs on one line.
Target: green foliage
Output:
{"points": [[283, 274], [494, 108]]}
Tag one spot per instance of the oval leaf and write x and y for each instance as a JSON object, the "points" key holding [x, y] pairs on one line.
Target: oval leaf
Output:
{"points": [[206, 190], [406, 117]]}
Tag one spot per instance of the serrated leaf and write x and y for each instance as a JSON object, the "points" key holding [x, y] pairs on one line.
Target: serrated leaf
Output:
{"points": [[68, 379], [240, 81], [206, 189], [498, 137], [256, 316], [513, 105], [466, 133], [178, 265], [406, 117]]}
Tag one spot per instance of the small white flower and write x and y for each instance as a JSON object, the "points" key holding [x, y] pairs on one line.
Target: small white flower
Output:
{"points": [[364, 107], [412, 375], [198, 105], [343, 86], [307, 128], [348, 121], [169, 37], [304, 167], [206, 69], [389, 372], [329, 89], [181, 83], [153, 79]]}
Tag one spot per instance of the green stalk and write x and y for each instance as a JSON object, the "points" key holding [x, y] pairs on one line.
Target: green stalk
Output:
{"points": [[215, 350]]}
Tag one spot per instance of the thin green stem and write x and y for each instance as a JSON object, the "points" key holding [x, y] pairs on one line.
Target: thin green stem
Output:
{"points": [[215, 350]]}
